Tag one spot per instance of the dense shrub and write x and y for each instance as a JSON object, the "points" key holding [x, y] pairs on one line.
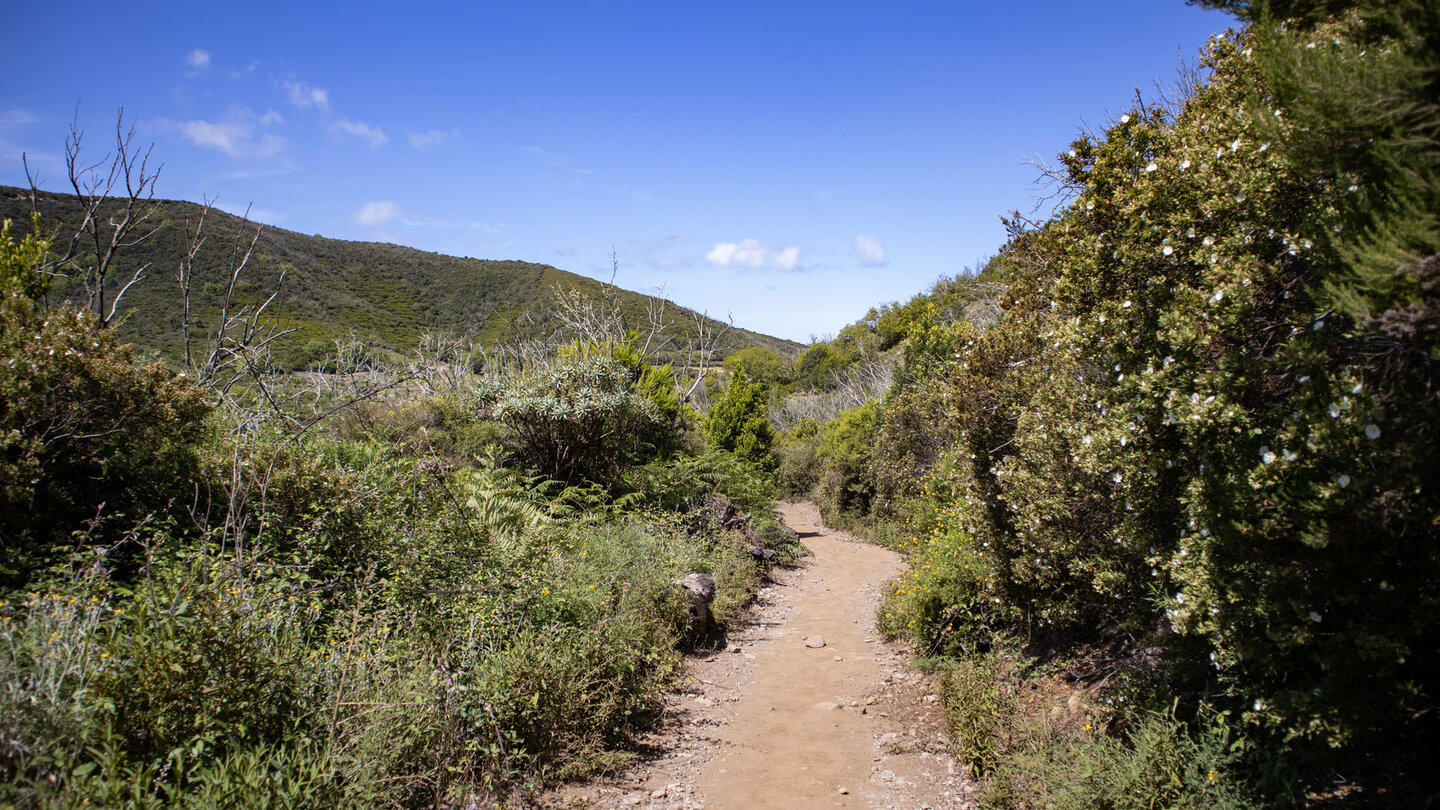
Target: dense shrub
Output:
{"points": [[580, 419], [87, 435], [1203, 431], [737, 421]]}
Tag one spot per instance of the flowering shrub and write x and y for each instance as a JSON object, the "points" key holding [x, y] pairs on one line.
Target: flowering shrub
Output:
{"points": [[1205, 423]]}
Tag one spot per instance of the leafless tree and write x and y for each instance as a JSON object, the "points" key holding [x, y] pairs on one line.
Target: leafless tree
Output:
{"points": [[118, 212]]}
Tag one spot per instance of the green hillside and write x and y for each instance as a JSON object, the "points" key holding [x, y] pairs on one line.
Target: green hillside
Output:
{"points": [[385, 293]]}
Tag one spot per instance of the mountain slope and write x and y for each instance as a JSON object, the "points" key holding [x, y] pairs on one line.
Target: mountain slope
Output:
{"points": [[384, 293]]}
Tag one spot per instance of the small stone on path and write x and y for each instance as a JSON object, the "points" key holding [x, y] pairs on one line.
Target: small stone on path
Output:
{"points": [[815, 642]]}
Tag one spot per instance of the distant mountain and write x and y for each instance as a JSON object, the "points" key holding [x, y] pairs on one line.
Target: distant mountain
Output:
{"points": [[385, 293]]}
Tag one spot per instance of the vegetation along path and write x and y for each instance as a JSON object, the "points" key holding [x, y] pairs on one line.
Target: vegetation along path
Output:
{"points": [[774, 719]]}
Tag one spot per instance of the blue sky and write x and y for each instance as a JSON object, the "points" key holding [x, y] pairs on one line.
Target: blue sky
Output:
{"points": [[785, 164]]}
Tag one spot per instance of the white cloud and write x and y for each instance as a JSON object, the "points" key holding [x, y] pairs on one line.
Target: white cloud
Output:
{"points": [[377, 213], [15, 119], [872, 253], [434, 137], [372, 135], [241, 135], [199, 60], [303, 95], [750, 253]]}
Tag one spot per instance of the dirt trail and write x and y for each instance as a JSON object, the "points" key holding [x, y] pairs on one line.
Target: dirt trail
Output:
{"points": [[771, 722]]}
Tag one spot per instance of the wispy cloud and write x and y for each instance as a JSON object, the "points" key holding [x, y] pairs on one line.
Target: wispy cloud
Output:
{"points": [[429, 222], [15, 119], [10, 152], [665, 254], [749, 253], [242, 133], [872, 253], [432, 138], [550, 159], [376, 213], [303, 95], [371, 135], [198, 61]]}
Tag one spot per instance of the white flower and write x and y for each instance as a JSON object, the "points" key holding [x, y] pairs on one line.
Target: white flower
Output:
{"points": [[1343, 480], [1127, 304], [1115, 478], [1235, 145], [1266, 454], [1320, 324], [1184, 164], [1334, 411], [1263, 147], [1208, 241], [1240, 198], [1125, 119], [1314, 617], [1151, 166], [1372, 431], [1072, 153], [1167, 250]]}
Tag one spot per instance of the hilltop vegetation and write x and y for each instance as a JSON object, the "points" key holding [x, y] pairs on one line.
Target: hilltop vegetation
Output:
{"points": [[386, 295]]}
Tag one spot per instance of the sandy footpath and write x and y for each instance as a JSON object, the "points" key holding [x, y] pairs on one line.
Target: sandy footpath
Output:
{"points": [[777, 721]]}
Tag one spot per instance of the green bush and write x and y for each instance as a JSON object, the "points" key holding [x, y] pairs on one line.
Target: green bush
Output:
{"points": [[1202, 432], [578, 420], [843, 490], [737, 421], [88, 438]]}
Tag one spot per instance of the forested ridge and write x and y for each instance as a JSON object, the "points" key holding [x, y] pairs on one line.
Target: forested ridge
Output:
{"points": [[385, 295], [1163, 469]]}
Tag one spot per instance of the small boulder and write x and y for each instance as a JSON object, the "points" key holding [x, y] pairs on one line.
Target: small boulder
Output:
{"points": [[699, 592]]}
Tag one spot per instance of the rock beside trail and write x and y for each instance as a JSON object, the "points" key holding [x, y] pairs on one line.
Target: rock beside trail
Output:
{"points": [[699, 591], [815, 642]]}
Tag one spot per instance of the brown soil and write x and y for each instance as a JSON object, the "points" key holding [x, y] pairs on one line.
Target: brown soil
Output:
{"points": [[771, 722]]}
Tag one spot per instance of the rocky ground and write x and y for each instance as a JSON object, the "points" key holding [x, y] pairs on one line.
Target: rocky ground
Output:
{"points": [[804, 706]]}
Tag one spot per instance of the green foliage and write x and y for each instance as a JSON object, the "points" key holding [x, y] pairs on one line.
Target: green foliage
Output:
{"points": [[817, 366], [761, 364], [85, 433], [1202, 434], [842, 452], [980, 709], [20, 260], [1160, 762], [737, 421], [684, 484], [578, 420]]}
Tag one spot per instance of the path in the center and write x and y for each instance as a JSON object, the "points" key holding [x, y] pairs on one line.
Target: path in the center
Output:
{"points": [[798, 738], [769, 722]]}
